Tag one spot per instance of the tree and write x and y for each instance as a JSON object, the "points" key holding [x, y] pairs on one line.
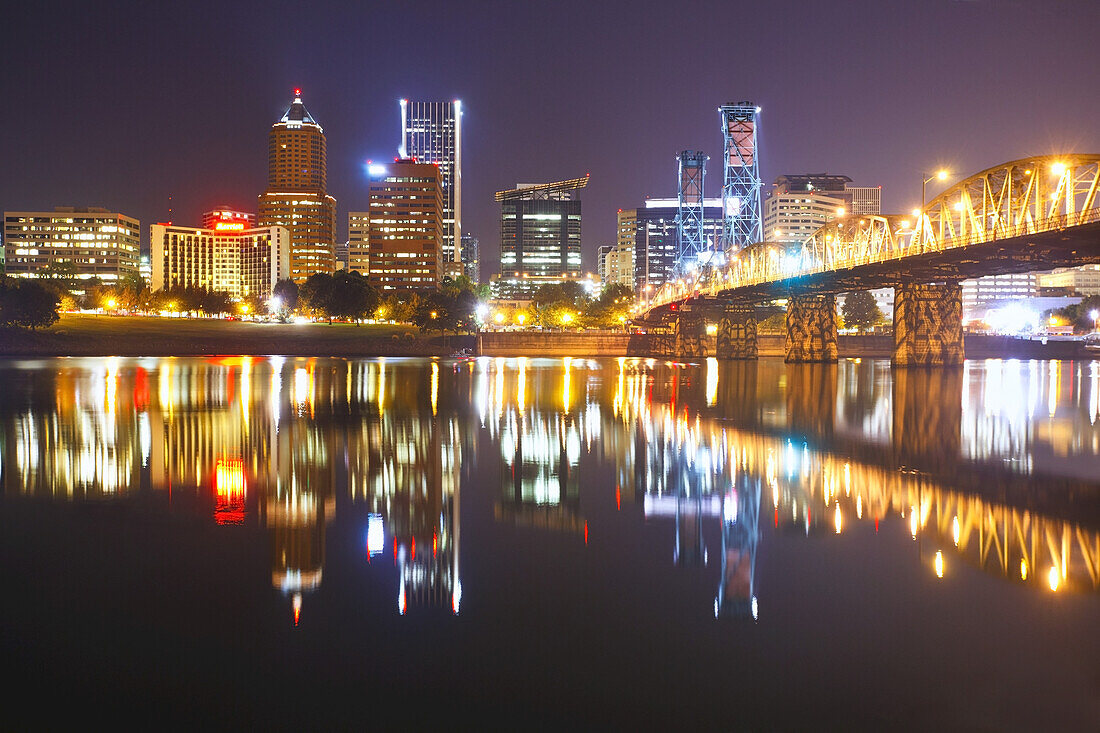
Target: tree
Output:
{"points": [[1079, 314], [861, 311], [352, 296], [316, 294], [611, 309], [27, 304]]}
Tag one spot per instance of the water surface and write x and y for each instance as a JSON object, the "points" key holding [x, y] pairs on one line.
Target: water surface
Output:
{"points": [[292, 542]]}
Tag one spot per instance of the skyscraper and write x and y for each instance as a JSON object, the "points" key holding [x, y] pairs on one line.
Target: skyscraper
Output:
{"points": [[404, 229], [296, 196], [540, 229], [471, 257], [431, 132]]}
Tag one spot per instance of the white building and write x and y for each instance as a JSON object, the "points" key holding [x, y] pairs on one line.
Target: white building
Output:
{"points": [[244, 263], [979, 291], [1084, 280]]}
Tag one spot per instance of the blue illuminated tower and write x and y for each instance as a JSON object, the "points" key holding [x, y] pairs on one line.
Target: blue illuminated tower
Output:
{"points": [[689, 218], [741, 185]]}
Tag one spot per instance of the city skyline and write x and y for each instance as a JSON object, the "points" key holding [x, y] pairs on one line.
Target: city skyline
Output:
{"points": [[867, 122]]}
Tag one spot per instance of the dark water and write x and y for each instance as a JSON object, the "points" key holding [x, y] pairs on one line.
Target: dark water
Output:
{"points": [[547, 543]]}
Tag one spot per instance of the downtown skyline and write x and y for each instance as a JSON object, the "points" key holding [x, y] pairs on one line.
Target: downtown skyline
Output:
{"points": [[177, 104]]}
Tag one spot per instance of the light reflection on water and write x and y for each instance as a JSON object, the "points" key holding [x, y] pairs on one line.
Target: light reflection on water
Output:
{"points": [[983, 464]]}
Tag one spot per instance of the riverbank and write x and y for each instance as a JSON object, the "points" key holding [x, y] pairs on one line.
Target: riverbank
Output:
{"points": [[78, 334], [849, 346]]}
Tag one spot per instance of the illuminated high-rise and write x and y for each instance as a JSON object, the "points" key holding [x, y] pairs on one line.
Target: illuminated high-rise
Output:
{"points": [[94, 242], [431, 132], [296, 196], [540, 229], [402, 249]]}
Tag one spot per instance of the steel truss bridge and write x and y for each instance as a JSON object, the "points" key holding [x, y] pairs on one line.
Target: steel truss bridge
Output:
{"points": [[1026, 215]]}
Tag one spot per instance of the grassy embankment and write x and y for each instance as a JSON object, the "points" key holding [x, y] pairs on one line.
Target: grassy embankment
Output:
{"points": [[103, 335]]}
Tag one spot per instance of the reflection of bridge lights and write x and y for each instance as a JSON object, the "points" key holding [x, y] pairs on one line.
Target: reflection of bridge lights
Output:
{"points": [[913, 521], [837, 518], [859, 506], [1023, 568], [1053, 577], [955, 530], [296, 603], [939, 564]]}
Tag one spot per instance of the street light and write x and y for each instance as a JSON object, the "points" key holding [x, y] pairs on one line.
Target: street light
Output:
{"points": [[940, 175], [1095, 316]]}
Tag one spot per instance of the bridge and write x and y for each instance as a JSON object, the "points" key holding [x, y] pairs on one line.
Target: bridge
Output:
{"points": [[1026, 215]]}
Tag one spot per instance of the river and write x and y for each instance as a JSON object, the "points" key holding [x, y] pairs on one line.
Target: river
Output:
{"points": [[546, 543]]}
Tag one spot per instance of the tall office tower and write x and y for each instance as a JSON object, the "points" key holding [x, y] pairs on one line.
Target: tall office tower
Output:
{"points": [[471, 257], [799, 205], [405, 228], [540, 229], [97, 243], [242, 262], [652, 232], [601, 259], [296, 196], [431, 132], [226, 219]]}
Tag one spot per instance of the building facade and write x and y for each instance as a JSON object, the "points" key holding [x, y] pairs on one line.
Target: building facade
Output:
{"points": [[619, 267], [471, 257], [520, 291], [96, 243], [296, 197], [864, 200], [978, 292], [245, 263], [225, 218], [540, 229], [651, 232], [359, 242], [799, 205], [404, 229], [431, 132], [1084, 280]]}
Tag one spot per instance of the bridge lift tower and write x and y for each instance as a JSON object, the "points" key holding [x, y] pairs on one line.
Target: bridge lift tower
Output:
{"points": [[690, 243], [741, 184]]}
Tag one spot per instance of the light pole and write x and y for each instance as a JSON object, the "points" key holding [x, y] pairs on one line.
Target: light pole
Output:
{"points": [[940, 175]]}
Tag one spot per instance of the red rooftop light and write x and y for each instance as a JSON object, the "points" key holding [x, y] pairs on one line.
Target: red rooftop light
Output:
{"points": [[297, 92]]}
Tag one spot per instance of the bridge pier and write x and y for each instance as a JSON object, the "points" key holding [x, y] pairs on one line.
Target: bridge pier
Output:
{"points": [[737, 332], [928, 325], [811, 329], [662, 340], [691, 335]]}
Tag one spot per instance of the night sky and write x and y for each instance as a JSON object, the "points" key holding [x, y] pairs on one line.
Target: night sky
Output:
{"points": [[121, 105]]}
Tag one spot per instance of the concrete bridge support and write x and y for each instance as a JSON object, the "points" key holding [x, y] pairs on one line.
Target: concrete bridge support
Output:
{"points": [[811, 329], [928, 325], [662, 340], [691, 336], [737, 333]]}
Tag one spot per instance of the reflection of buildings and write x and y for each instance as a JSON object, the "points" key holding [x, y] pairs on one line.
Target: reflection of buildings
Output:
{"points": [[404, 459]]}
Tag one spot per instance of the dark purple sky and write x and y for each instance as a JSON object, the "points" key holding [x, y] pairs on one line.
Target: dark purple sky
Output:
{"points": [[121, 104]]}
